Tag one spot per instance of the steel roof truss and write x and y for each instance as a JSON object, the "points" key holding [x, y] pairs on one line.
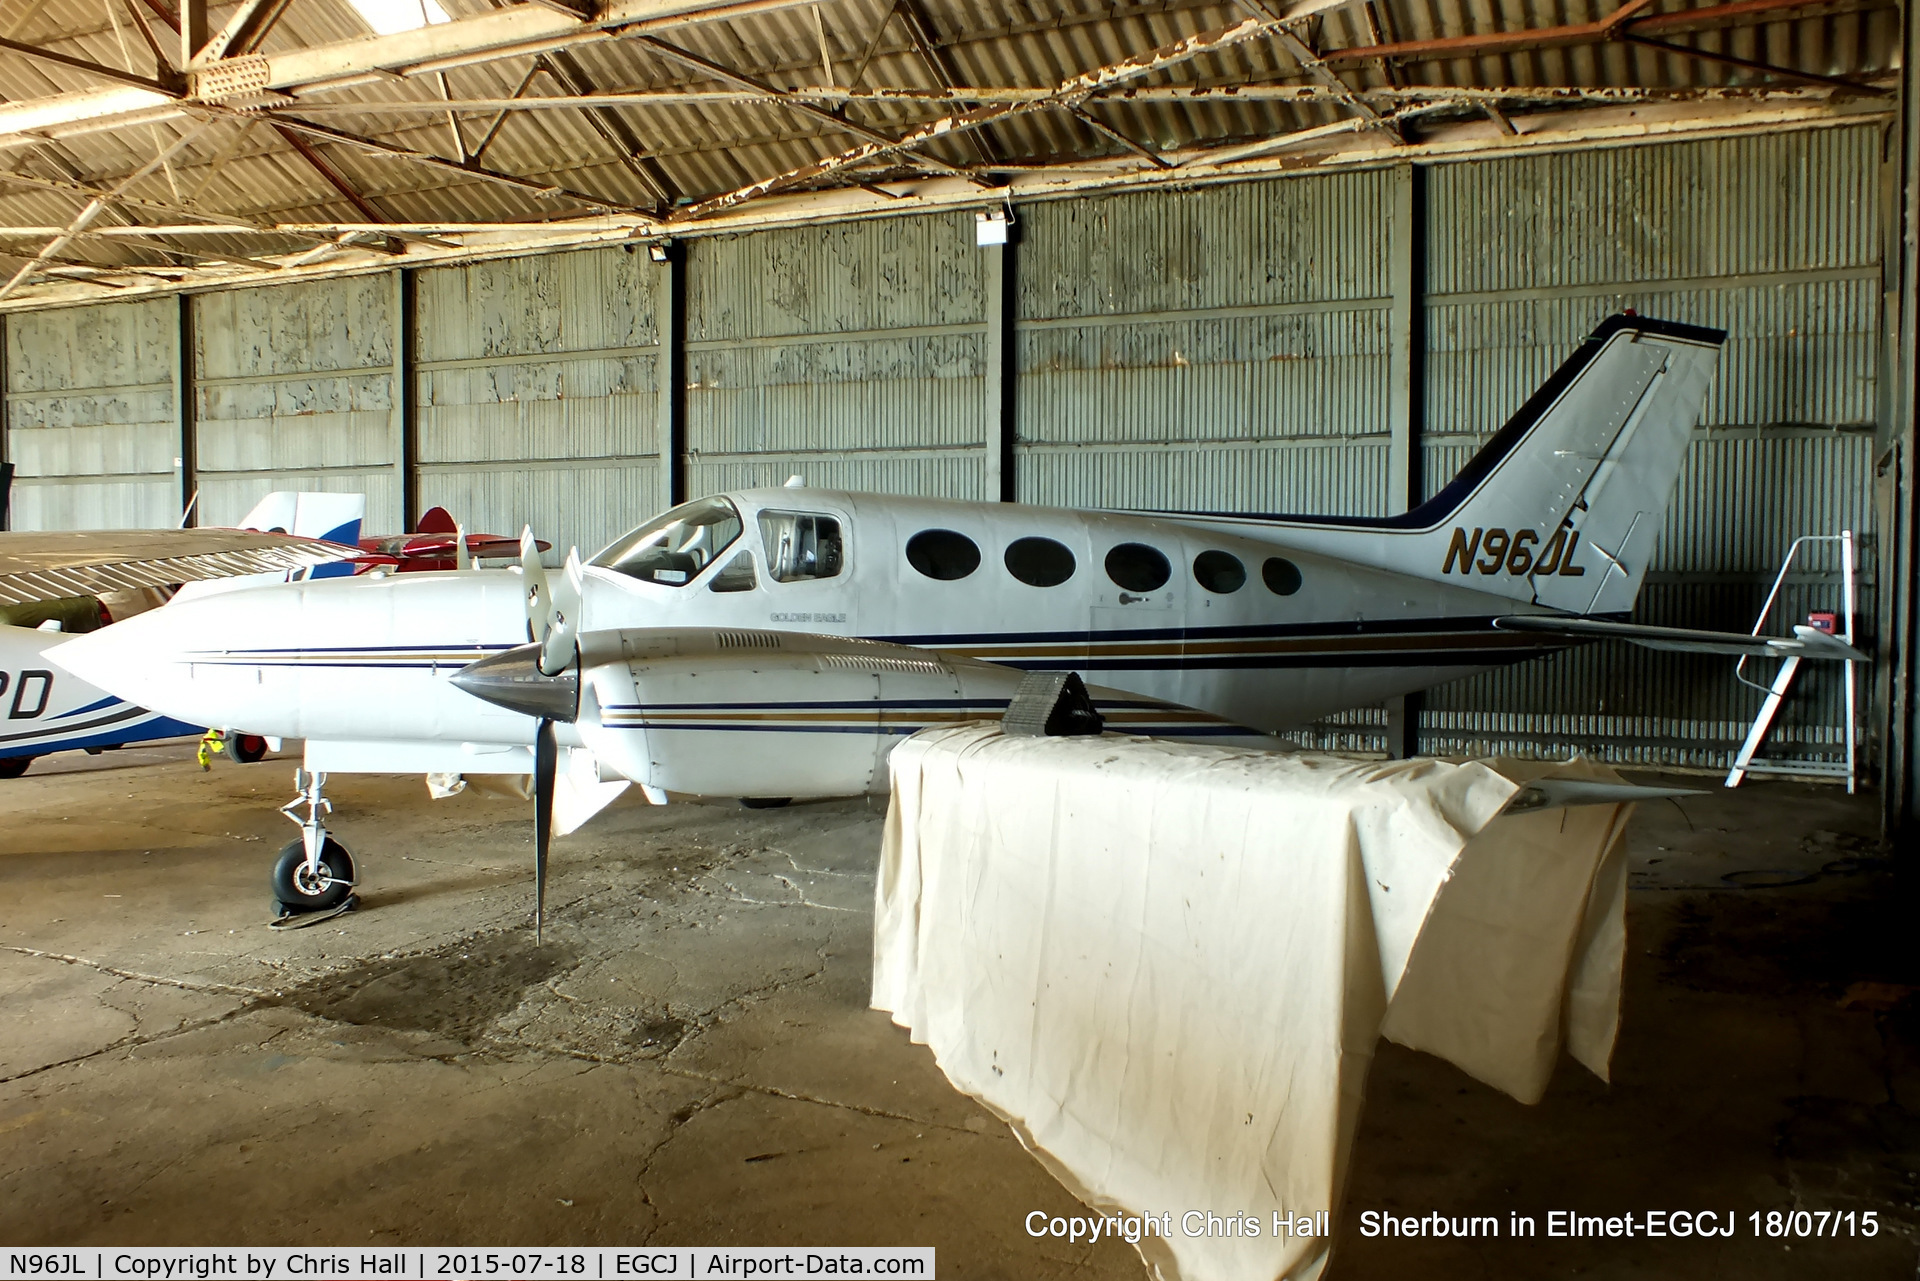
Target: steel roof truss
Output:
{"points": [[835, 120], [1068, 93], [531, 186]]}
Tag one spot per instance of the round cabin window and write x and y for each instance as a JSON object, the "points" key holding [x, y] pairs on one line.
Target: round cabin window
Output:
{"points": [[945, 554], [1282, 576], [1220, 572], [1039, 562], [1136, 567]]}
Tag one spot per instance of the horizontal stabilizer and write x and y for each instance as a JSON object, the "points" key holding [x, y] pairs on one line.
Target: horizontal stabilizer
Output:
{"points": [[1806, 642], [1557, 793]]}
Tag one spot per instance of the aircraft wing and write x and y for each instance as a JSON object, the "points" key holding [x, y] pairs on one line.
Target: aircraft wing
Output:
{"points": [[54, 565], [1806, 642]]}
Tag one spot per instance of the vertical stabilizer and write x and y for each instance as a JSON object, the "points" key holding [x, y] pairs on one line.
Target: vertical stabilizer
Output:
{"points": [[334, 517], [1565, 512], [1562, 507]]}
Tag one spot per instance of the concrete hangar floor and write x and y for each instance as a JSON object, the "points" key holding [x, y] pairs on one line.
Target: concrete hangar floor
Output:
{"points": [[690, 1059]]}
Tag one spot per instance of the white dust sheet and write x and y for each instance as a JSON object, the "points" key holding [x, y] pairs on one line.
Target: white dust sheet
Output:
{"points": [[1166, 966]]}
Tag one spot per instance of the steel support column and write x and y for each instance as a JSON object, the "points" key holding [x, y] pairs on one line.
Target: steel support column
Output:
{"points": [[186, 410], [6, 431], [670, 373], [405, 414], [1406, 389], [1900, 545], [1002, 369], [195, 31], [1407, 336], [1403, 726]]}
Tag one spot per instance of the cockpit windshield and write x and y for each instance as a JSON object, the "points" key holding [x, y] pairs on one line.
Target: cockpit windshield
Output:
{"points": [[673, 548]]}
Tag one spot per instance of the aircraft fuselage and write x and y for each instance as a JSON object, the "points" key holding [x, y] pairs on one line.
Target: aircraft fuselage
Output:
{"points": [[1231, 618]]}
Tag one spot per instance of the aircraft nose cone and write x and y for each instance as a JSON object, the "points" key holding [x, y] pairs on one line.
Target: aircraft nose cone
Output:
{"points": [[122, 658], [512, 679]]}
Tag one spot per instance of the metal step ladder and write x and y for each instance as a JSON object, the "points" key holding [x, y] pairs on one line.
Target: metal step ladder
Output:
{"points": [[1749, 761]]}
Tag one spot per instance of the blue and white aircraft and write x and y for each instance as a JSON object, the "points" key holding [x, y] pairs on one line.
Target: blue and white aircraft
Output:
{"points": [[88, 580]]}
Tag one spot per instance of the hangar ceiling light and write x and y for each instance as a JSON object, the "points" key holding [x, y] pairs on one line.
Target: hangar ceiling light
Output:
{"points": [[390, 17]]}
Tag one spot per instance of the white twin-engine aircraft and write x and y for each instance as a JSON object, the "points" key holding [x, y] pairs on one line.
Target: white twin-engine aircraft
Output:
{"points": [[779, 642]]}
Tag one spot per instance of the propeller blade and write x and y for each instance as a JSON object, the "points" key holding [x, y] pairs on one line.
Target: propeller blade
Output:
{"points": [[559, 643], [533, 577], [553, 609], [461, 560], [545, 756]]}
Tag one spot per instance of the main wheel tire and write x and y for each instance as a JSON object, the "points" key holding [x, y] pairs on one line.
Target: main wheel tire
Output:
{"points": [[15, 766], [302, 893], [765, 802], [246, 748]]}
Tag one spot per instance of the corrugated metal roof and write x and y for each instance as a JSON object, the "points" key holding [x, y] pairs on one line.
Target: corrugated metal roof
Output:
{"points": [[642, 162]]}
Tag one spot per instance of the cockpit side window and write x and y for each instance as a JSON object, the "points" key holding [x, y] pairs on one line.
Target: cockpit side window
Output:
{"points": [[801, 545], [672, 549]]}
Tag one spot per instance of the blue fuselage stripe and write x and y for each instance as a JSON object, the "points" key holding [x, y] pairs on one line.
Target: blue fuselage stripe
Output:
{"points": [[141, 732]]}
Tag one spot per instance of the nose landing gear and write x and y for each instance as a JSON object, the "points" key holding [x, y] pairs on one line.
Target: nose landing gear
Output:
{"points": [[313, 876]]}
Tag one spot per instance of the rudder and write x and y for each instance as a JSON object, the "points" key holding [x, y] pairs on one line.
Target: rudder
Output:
{"points": [[1563, 506]]}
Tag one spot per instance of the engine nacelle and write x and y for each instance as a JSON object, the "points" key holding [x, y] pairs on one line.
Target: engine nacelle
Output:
{"points": [[723, 712], [701, 712]]}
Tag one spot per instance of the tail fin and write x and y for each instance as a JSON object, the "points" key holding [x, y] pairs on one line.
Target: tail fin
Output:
{"points": [[333, 517], [438, 520], [1562, 507]]}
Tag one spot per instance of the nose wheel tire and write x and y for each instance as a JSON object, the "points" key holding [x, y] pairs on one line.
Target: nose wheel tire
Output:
{"points": [[320, 890], [15, 766]]}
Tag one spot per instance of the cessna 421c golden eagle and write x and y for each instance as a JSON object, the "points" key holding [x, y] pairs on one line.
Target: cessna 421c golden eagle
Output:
{"points": [[779, 642]]}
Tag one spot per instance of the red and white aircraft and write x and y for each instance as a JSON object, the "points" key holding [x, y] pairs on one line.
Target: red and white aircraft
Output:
{"points": [[438, 543]]}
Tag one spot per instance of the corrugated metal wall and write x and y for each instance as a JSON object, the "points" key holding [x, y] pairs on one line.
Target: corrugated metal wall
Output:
{"points": [[1775, 239], [90, 420], [851, 355], [295, 387], [536, 395], [1222, 349]]}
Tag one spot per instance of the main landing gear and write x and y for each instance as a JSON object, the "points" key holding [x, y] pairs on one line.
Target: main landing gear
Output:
{"points": [[313, 877]]}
